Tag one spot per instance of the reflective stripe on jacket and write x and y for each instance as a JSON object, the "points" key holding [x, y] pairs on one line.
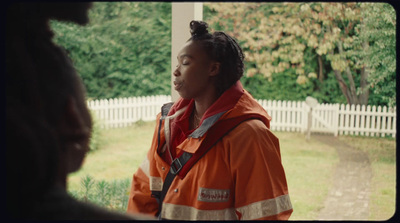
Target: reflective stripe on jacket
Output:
{"points": [[241, 177]]}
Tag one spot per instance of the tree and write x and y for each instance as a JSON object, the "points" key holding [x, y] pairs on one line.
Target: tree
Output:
{"points": [[377, 32], [309, 40], [124, 51]]}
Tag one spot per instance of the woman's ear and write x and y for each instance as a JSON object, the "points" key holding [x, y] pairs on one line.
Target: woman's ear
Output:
{"points": [[214, 68]]}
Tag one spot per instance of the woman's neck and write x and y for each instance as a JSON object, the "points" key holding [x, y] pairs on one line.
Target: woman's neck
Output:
{"points": [[202, 104]]}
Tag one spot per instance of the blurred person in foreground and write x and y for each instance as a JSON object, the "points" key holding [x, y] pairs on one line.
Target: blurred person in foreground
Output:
{"points": [[48, 124], [213, 156]]}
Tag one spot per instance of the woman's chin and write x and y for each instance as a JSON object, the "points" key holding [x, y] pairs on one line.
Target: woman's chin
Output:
{"points": [[185, 96]]}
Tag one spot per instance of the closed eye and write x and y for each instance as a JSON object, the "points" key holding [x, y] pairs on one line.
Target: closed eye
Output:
{"points": [[184, 58]]}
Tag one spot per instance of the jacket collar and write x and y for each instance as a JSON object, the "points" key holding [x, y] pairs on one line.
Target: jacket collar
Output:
{"points": [[223, 108], [226, 101], [205, 125], [223, 104]]}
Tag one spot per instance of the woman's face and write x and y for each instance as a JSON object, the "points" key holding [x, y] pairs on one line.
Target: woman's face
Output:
{"points": [[194, 72], [83, 123]]}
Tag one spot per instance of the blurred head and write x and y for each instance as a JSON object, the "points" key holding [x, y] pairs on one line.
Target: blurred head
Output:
{"points": [[49, 96], [76, 12], [48, 123], [220, 55]]}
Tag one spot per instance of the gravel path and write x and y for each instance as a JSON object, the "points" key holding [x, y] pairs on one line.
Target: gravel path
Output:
{"points": [[348, 198]]}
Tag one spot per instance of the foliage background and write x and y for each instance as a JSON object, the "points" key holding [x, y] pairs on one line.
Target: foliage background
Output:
{"points": [[124, 51], [335, 52]]}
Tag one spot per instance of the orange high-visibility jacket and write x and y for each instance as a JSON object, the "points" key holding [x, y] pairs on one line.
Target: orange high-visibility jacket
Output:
{"points": [[241, 177]]}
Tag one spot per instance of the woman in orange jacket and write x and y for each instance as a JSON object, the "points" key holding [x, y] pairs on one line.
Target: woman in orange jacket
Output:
{"points": [[213, 156]]}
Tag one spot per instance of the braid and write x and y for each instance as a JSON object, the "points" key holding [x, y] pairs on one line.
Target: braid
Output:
{"points": [[235, 46], [238, 56]]}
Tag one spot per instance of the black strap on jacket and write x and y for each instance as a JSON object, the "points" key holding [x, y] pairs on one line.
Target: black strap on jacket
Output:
{"points": [[176, 166]]}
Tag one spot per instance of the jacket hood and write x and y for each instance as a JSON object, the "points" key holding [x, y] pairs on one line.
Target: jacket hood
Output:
{"points": [[235, 105], [234, 102]]}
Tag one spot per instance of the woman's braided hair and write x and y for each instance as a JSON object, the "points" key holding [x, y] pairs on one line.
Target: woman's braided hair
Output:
{"points": [[222, 48]]}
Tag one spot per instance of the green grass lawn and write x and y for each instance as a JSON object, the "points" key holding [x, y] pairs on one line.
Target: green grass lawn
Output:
{"points": [[309, 167], [121, 152]]}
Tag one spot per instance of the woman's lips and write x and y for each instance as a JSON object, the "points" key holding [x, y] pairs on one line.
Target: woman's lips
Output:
{"points": [[177, 85]]}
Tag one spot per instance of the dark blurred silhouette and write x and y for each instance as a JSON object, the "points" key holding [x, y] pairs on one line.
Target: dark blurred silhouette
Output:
{"points": [[48, 124]]}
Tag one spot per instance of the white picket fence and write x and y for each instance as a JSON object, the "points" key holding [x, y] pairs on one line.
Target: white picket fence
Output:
{"points": [[122, 112], [367, 120], [336, 119]]}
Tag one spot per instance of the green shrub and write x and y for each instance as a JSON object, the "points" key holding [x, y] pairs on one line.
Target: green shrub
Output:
{"points": [[112, 195], [124, 51]]}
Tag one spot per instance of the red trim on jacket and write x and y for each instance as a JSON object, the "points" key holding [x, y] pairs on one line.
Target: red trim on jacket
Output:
{"points": [[180, 125]]}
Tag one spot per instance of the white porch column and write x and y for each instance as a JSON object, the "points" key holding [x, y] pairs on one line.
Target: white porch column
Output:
{"points": [[182, 14]]}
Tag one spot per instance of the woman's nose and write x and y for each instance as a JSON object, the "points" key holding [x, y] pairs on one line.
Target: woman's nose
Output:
{"points": [[176, 71]]}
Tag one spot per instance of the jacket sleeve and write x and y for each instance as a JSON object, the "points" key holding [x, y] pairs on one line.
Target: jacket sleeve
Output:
{"points": [[140, 200], [261, 191]]}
